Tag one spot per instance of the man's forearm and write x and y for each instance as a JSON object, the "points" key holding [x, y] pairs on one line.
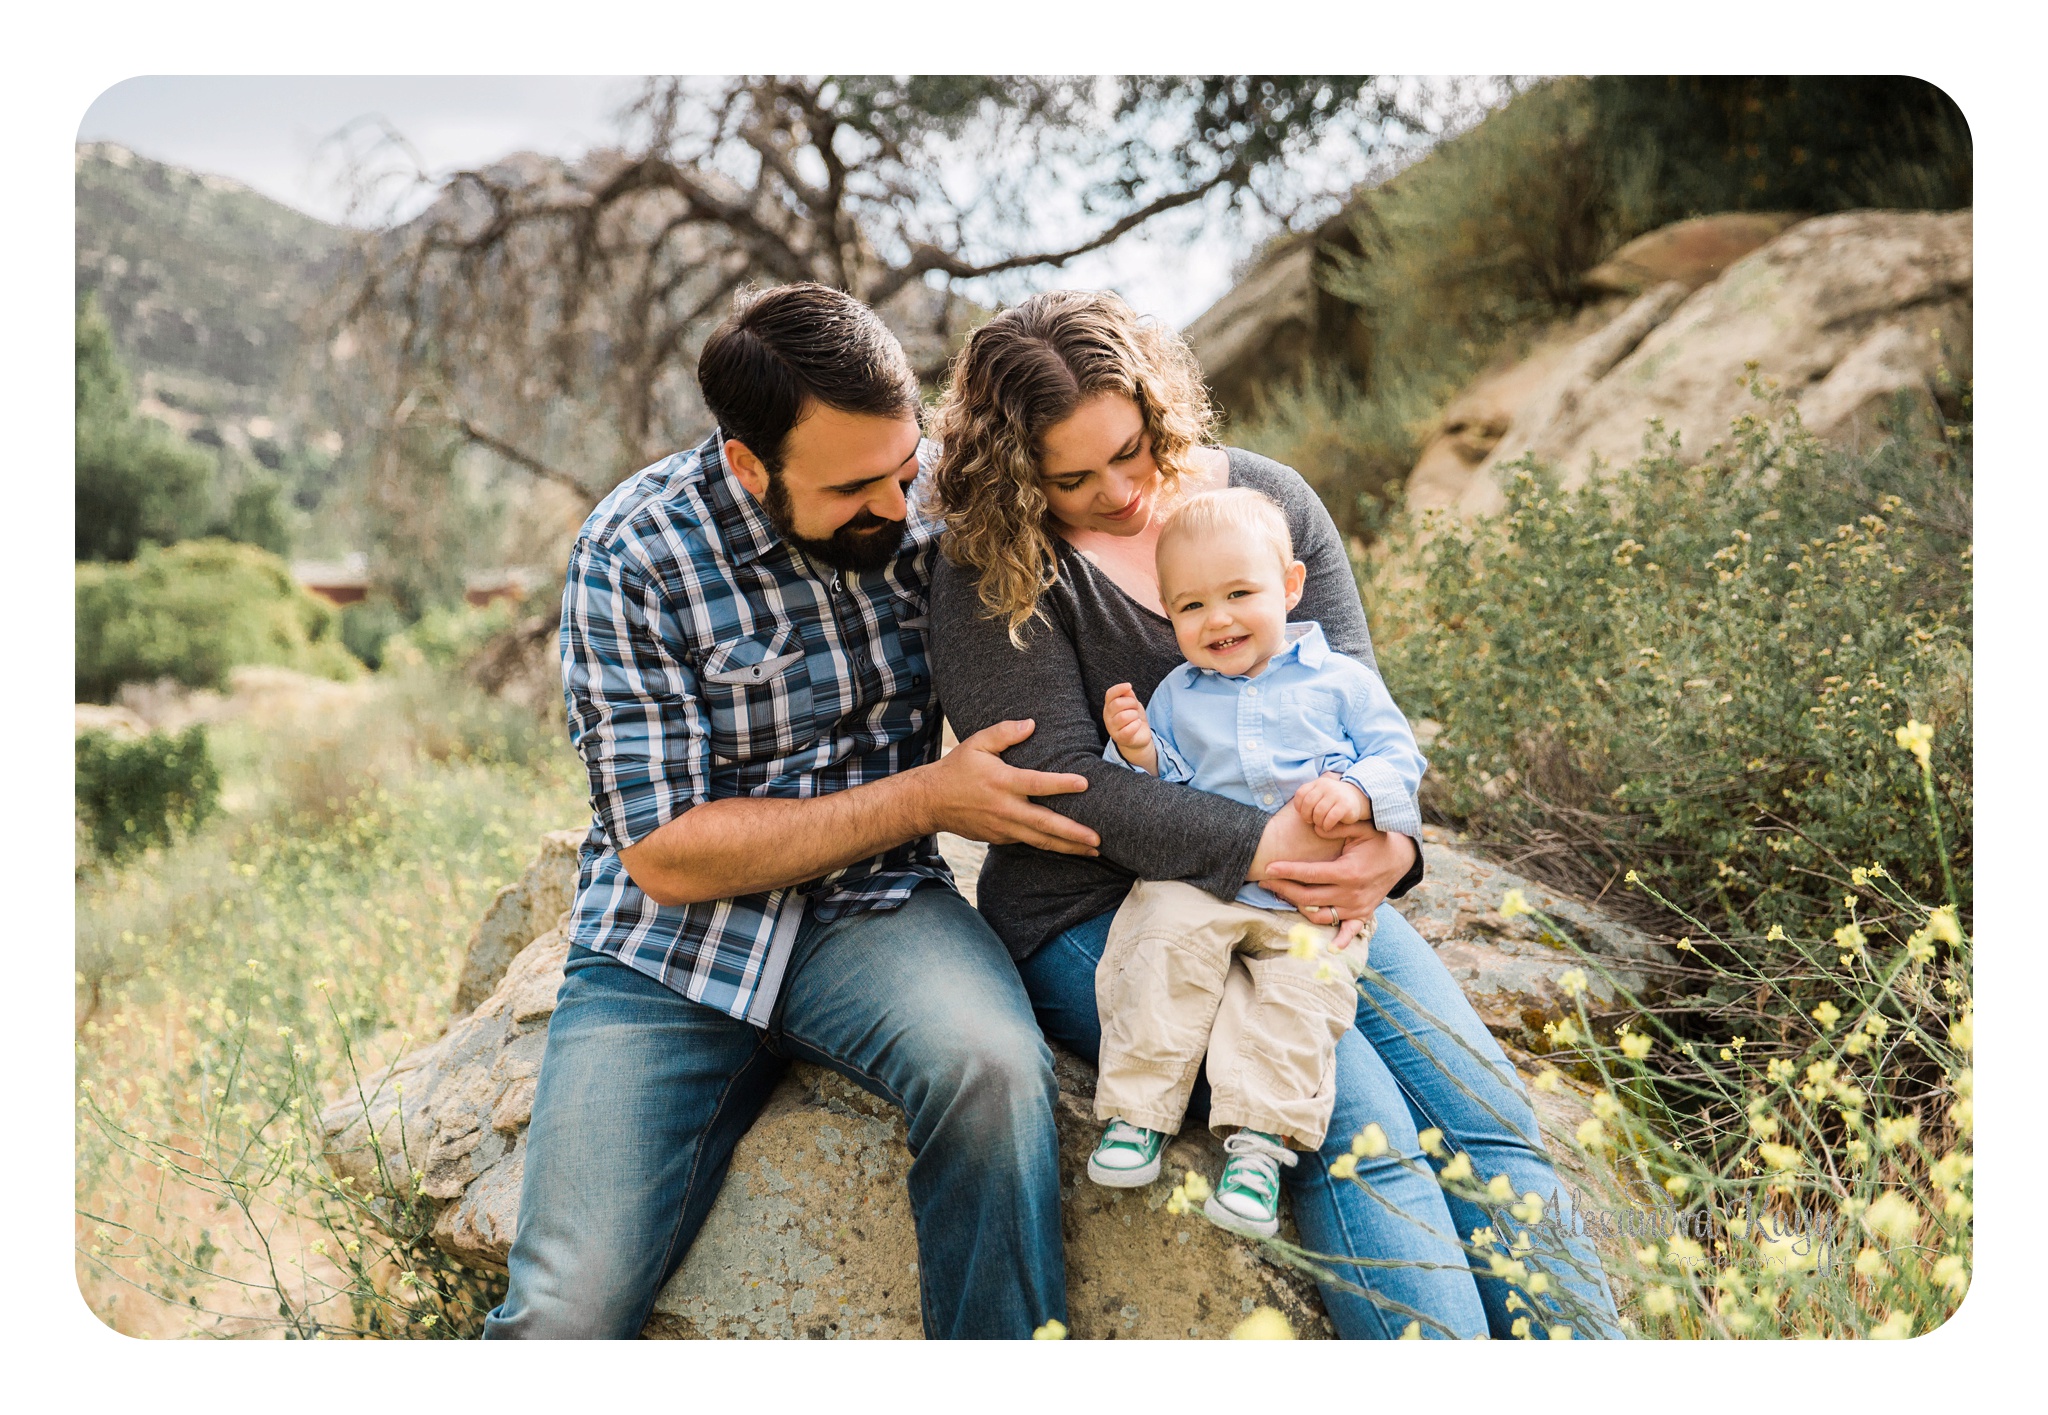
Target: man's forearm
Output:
{"points": [[750, 844]]}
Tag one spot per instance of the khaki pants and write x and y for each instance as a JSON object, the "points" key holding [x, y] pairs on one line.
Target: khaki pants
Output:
{"points": [[1185, 975]]}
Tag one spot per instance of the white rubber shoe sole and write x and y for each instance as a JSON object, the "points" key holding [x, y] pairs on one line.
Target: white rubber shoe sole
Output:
{"points": [[1127, 1178], [1237, 1222]]}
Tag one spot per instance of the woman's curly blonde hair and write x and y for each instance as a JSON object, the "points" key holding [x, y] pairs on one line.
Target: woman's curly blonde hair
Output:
{"points": [[1020, 375]]}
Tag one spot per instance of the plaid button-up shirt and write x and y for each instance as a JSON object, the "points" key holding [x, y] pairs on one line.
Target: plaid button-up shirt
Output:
{"points": [[702, 658]]}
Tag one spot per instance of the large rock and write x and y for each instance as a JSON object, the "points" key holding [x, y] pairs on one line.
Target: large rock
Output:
{"points": [[520, 913], [812, 1236], [1845, 312]]}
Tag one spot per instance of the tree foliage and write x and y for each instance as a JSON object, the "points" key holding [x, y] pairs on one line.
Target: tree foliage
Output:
{"points": [[551, 312], [136, 480]]}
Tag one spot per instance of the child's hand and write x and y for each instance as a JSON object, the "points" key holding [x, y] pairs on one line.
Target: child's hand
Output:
{"points": [[1329, 802], [1123, 717]]}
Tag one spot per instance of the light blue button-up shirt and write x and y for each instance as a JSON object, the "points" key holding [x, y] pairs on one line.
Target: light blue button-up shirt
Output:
{"points": [[1257, 740]]}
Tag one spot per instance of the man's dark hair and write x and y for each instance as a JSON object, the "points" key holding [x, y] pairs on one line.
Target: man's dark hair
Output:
{"points": [[782, 347]]}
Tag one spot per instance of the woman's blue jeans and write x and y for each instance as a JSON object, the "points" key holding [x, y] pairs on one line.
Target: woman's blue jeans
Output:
{"points": [[1399, 1069]]}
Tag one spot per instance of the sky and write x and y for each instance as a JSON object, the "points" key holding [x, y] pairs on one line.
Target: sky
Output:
{"points": [[276, 134]]}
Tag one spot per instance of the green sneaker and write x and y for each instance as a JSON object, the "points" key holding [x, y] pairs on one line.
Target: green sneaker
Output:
{"points": [[1247, 1198], [1127, 1155]]}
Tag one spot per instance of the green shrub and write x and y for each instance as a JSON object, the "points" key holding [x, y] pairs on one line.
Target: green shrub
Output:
{"points": [[1696, 668], [132, 795], [192, 611]]}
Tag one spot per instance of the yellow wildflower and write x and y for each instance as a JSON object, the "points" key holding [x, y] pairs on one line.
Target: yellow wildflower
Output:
{"points": [[1962, 1033], [1948, 1171], [1859, 876], [1920, 946], [1197, 1187], [1529, 1209], [1827, 1014], [1869, 1263], [1302, 942], [1460, 1168], [1850, 936], [1344, 1166], [1856, 1043], [1573, 982], [1412, 1332], [1592, 1134], [1606, 1106], [1684, 1250], [1858, 1151], [1677, 1184], [1507, 1269], [1263, 1325], [1432, 1142], [1649, 1255], [1660, 1301], [1892, 1216], [1547, 1079], [1951, 1274], [1177, 1201], [1776, 935], [1779, 1157], [1370, 1142], [1520, 1328], [1560, 1332], [1898, 1130], [1779, 1069], [1684, 945], [1514, 903], [1898, 1326], [1635, 1046], [1500, 1189], [1538, 1284], [1632, 878], [1484, 1237], [1942, 924], [1916, 737], [1054, 1330]]}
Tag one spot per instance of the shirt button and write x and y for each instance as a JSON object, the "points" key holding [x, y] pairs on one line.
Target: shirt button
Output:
{"points": [[1267, 798], [1251, 692]]}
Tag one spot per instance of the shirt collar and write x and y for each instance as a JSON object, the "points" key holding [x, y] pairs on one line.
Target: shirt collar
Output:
{"points": [[1305, 645], [742, 524]]}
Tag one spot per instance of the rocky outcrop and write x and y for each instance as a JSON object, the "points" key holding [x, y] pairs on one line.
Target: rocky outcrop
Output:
{"points": [[521, 912], [811, 1235], [1844, 312]]}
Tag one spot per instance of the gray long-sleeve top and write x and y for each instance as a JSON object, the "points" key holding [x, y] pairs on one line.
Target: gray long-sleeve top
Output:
{"points": [[1091, 637]]}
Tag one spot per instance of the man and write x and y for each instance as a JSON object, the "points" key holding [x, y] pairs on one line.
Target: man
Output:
{"points": [[743, 655]]}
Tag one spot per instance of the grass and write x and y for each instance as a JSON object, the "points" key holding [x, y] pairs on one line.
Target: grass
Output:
{"points": [[231, 984]]}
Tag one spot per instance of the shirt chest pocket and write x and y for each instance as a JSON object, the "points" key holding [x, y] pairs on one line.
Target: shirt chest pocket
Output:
{"points": [[1318, 709], [757, 697]]}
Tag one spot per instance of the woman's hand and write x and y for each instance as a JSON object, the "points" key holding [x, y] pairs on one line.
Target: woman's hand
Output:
{"points": [[1345, 888]]}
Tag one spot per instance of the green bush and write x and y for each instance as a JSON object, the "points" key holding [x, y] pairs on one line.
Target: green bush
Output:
{"points": [[132, 795], [192, 611], [1697, 667], [135, 480]]}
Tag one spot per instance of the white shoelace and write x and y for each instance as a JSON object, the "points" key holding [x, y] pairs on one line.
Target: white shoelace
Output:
{"points": [[1264, 1155], [1122, 1132]]}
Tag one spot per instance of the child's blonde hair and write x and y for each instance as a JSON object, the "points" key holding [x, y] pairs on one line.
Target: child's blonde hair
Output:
{"points": [[1236, 511]]}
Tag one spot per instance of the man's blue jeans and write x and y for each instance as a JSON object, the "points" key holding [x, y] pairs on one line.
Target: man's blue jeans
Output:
{"points": [[643, 1094], [1384, 1074]]}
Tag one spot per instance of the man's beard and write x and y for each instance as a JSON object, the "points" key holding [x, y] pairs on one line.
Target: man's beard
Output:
{"points": [[867, 542]]}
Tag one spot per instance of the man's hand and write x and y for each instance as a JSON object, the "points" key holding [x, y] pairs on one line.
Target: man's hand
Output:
{"points": [[1348, 888], [1123, 717], [972, 791], [1330, 801]]}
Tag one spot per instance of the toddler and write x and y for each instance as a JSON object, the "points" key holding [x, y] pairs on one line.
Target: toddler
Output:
{"points": [[1266, 713]]}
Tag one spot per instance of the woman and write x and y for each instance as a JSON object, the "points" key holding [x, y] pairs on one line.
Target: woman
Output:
{"points": [[1069, 424]]}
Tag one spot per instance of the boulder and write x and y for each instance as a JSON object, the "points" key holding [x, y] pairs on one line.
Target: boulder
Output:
{"points": [[520, 913], [1843, 312], [811, 1235], [1690, 252]]}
